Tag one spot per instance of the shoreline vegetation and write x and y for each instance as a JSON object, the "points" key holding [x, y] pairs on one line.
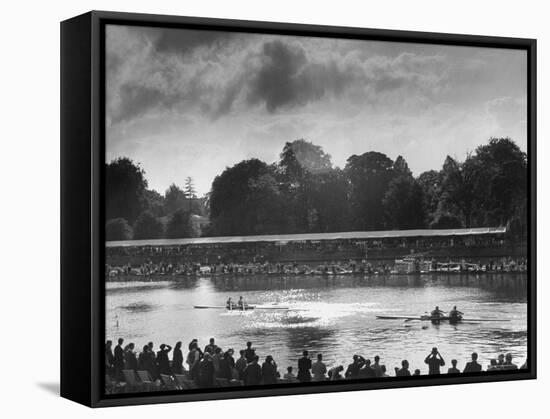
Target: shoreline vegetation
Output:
{"points": [[127, 371]]}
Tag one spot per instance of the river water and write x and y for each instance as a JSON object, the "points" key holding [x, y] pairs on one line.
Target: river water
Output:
{"points": [[332, 315]]}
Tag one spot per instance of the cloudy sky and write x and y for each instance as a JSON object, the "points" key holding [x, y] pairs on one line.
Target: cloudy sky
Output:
{"points": [[190, 103]]}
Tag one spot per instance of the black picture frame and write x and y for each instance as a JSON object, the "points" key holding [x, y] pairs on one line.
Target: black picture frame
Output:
{"points": [[82, 209]]}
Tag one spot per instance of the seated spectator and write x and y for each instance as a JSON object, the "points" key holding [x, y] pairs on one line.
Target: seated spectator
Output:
{"points": [[472, 366], [508, 364], [404, 370], [493, 365], [453, 369]]}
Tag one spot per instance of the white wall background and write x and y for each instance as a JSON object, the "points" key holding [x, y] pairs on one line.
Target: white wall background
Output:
{"points": [[29, 181]]}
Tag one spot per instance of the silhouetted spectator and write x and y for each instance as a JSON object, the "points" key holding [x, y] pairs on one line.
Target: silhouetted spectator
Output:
{"points": [[453, 369], [241, 364], [508, 364], [493, 365], [227, 366], [146, 361], [249, 352], [177, 359], [252, 374], [335, 373], [304, 367], [355, 366], [367, 371], [118, 361], [109, 357], [130, 359], [472, 366], [193, 360], [404, 370], [319, 369], [211, 347], [206, 371], [289, 375], [434, 361], [269, 371], [162, 359], [377, 367]]}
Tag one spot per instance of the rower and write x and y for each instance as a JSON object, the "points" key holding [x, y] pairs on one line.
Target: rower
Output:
{"points": [[240, 303], [455, 316], [229, 304], [437, 313]]}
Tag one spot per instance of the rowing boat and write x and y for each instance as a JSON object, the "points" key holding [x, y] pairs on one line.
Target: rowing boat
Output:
{"points": [[247, 307], [436, 319]]}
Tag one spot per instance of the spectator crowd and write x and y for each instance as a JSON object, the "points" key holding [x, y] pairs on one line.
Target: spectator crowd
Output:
{"points": [[129, 371]]}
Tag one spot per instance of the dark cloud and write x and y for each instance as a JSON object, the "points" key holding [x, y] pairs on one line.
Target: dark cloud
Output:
{"points": [[231, 74], [287, 77]]}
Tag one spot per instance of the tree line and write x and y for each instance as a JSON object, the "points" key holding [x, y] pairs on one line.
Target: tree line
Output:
{"points": [[303, 192], [135, 212]]}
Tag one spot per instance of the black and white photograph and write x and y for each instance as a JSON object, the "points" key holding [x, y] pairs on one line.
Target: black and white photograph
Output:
{"points": [[291, 210]]}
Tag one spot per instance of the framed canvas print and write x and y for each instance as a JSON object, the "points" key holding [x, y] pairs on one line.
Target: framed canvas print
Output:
{"points": [[254, 209]]}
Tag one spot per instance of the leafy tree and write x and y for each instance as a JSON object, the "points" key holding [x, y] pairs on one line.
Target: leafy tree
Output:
{"points": [[155, 203], [117, 229], [147, 226], [329, 198], [369, 175], [457, 197], [174, 199], [190, 192], [300, 165], [125, 185], [401, 167], [430, 182], [300, 156], [403, 200], [245, 199], [180, 225], [499, 182]]}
